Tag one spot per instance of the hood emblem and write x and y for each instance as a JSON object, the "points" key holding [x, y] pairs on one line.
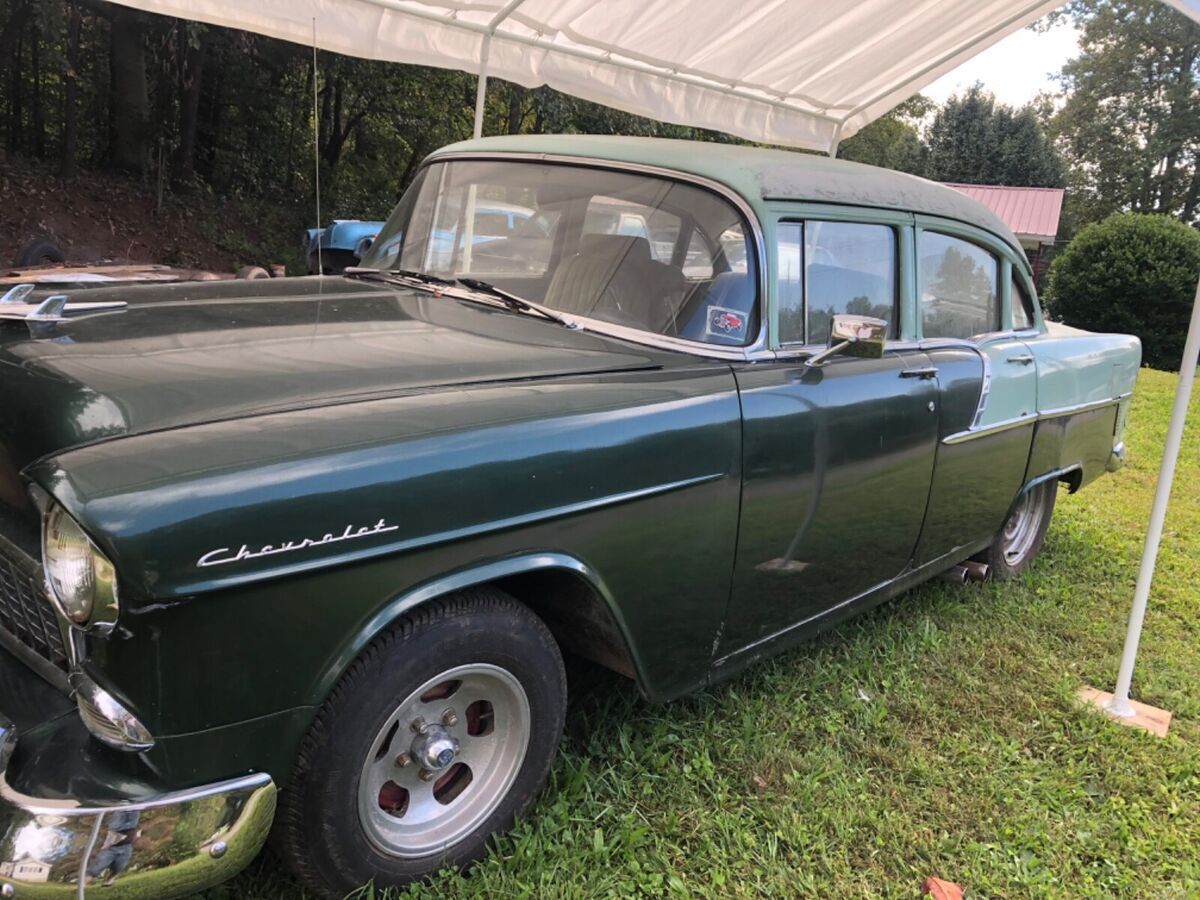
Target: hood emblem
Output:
{"points": [[225, 555], [56, 308]]}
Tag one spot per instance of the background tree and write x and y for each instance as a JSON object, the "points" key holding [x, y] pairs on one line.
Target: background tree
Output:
{"points": [[1130, 273], [1130, 121], [974, 139], [893, 140]]}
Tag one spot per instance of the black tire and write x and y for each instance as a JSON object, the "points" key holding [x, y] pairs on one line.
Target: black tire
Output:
{"points": [[39, 252], [1020, 539], [318, 829], [333, 262]]}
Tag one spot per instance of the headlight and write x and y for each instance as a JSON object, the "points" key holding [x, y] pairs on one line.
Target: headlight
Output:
{"points": [[82, 581]]}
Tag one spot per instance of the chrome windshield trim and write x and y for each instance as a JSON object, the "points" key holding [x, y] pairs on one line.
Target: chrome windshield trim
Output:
{"points": [[757, 349]]}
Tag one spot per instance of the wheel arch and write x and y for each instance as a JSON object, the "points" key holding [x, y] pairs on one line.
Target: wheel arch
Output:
{"points": [[1070, 475], [566, 593]]}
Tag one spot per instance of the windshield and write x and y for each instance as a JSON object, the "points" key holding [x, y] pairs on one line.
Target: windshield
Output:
{"points": [[634, 250]]}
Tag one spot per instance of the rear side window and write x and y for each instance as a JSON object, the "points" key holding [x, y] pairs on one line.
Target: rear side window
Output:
{"points": [[1022, 307], [958, 282]]}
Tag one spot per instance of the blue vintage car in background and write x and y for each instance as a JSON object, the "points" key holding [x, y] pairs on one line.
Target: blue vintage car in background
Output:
{"points": [[342, 243]]}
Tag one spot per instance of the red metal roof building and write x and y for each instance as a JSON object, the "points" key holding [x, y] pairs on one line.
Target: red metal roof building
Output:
{"points": [[1031, 212]]}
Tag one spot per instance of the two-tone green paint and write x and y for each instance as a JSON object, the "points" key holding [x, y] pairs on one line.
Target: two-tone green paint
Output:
{"points": [[714, 509]]}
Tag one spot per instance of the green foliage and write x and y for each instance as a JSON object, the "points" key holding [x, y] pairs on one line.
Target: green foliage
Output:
{"points": [[1130, 273], [1130, 123], [974, 139], [892, 141]]}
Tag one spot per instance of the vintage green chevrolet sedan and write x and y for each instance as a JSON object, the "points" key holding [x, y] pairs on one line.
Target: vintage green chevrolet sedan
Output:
{"points": [[303, 557]]}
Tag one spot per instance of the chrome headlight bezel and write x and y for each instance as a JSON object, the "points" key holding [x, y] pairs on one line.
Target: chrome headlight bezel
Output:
{"points": [[100, 611]]}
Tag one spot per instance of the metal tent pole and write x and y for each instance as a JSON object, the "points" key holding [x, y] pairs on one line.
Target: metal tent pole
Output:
{"points": [[481, 87], [485, 53], [1120, 705]]}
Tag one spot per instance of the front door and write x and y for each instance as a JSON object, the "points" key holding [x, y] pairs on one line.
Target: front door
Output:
{"points": [[837, 468]]}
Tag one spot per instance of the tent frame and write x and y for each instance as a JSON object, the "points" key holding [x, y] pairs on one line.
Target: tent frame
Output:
{"points": [[1119, 705]]}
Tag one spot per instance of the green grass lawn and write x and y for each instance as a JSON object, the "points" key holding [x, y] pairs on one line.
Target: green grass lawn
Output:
{"points": [[936, 735]]}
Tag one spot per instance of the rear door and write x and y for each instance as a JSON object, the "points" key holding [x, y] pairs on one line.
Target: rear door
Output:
{"points": [[989, 385]]}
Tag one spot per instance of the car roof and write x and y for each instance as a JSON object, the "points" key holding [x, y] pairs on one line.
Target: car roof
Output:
{"points": [[761, 174]]}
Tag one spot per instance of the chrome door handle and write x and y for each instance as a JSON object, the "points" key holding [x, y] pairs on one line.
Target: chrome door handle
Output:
{"points": [[1021, 360], [925, 372]]}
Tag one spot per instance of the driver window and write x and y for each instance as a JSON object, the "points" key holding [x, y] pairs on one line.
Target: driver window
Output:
{"points": [[849, 268]]}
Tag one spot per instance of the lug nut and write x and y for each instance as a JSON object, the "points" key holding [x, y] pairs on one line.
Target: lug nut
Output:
{"points": [[449, 718], [403, 759], [426, 775], [418, 725]]}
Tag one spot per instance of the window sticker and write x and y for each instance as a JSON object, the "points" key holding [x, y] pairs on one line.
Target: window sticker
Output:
{"points": [[725, 322]]}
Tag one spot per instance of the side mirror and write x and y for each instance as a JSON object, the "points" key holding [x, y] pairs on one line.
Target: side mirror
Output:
{"points": [[861, 336]]}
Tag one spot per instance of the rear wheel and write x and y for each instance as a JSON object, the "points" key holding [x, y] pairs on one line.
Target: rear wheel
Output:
{"points": [[1023, 534], [438, 736]]}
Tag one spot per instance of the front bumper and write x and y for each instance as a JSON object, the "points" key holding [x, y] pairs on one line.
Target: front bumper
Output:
{"points": [[169, 845], [129, 839]]}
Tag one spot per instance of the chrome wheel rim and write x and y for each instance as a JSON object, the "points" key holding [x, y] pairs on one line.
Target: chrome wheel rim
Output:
{"points": [[443, 760], [1021, 529]]}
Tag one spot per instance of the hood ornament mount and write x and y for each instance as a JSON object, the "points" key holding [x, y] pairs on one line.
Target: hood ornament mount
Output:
{"points": [[54, 309]]}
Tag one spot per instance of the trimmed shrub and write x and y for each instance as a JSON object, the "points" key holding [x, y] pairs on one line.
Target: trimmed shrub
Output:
{"points": [[1130, 273]]}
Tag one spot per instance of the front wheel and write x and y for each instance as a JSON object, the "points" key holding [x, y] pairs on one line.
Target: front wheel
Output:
{"points": [[1023, 534], [438, 736]]}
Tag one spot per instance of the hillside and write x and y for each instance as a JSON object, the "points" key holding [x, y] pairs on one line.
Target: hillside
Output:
{"points": [[103, 217]]}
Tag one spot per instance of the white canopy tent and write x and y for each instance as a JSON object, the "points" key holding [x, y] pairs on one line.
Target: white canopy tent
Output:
{"points": [[802, 73]]}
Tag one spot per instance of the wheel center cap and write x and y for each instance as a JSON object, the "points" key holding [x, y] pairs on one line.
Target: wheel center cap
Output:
{"points": [[435, 749]]}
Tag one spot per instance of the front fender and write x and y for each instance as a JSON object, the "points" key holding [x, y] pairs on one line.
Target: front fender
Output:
{"points": [[470, 576], [244, 594]]}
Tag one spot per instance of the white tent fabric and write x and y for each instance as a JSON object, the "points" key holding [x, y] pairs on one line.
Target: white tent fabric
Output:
{"points": [[803, 73]]}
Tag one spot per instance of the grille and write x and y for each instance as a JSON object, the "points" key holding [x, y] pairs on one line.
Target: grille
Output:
{"points": [[25, 610]]}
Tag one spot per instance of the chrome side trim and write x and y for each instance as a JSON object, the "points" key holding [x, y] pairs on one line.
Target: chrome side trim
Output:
{"points": [[985, 390], [293, 567], [1082, 407], [756, 350], [986, 430], [1057, 412]]}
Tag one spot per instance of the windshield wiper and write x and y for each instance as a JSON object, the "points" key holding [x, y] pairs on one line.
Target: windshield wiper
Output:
{"points": [[520, 304], [387, 274]]}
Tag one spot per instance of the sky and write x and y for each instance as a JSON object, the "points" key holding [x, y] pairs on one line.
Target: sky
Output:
{"points": [[1016, 69]]}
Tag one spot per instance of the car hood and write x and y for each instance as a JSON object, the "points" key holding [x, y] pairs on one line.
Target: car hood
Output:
{"points": [[192, 353]]}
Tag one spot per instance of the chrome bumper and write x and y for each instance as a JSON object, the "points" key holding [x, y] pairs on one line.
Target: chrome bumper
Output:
{"points": [[168, 845], [1116, 459]]}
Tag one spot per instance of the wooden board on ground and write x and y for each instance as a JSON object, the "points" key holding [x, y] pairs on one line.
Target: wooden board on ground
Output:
{"points": [[1148, 718], [75, 276]]}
